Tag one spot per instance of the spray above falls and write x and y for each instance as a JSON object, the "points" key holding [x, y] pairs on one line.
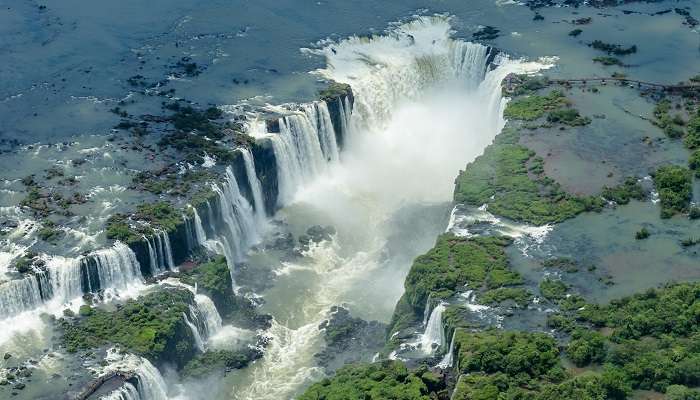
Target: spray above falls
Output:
{"points": [[425, 105]]}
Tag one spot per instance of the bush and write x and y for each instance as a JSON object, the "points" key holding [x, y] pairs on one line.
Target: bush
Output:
{"points": [[694, 162], [586, 347], [622, 194], [675, 189], [378, 381], [567, 116], [502, 177], [533, 107], [553, 289], [642, 234]]}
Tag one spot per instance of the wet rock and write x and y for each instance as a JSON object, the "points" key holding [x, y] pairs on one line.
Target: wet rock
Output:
{"points": [[349, 339], [282, 241], [317, 234], [7, 356]]}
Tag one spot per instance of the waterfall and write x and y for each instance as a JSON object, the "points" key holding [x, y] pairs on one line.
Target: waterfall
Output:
{"points": [[116, 267], [150, 384], [160, 253], [255, 186], [238, 216], [434, 334], [125, 392], [209, 315], [19, 295], [448, 360], [168, 251], [153, 260], [203, 318], [326, 133], [210, 215], [426, 311], [196, 329], [305, 146], [67, 279]]}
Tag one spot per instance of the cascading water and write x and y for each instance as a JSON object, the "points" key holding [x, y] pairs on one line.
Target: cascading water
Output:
{"points": [[305, 146], [255, 186], [424, 106], [160, 253], [196, 328], [150, 384], [238, 216], [19, 295], [114, 270], [434, 335], [204, 320], [125, 392], [448, 360], [209, 314]]}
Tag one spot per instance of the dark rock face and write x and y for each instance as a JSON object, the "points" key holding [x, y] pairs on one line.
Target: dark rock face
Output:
{"points": [[316, 234], [334, 107], [349, 339], [266, 169]]}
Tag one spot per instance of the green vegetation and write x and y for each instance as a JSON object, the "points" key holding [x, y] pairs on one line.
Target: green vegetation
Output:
{"points": [[196, 145], [533, 107], [377, 381], [672, 126], [622, 194], [553, 289], [562, 263], [495, 296], [49, 232], [586, 347], [518, 85], [674, 184], [642, 234], [610, 48], [119, 228], [694, 162], [517, 365], [509, 178], [213, 279], [151, 326], [334, 91], [608, 60], [692, 135], [480, 262], [567, 116], [169, 181], [651, 339], [214, 361], [160, 214]]}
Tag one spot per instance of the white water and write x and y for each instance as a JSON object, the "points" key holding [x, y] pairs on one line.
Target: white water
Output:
{"points": [[448, 360], [160, 253], [151, 385], [114, 270], [255, 187], [434, 335], [196, 330], [305, 147], [424, 107], [125, 392], [238, 217], [208, 315]]}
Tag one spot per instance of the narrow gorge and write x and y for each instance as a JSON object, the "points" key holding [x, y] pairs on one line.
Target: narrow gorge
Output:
{"points": [[439, 219]]}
